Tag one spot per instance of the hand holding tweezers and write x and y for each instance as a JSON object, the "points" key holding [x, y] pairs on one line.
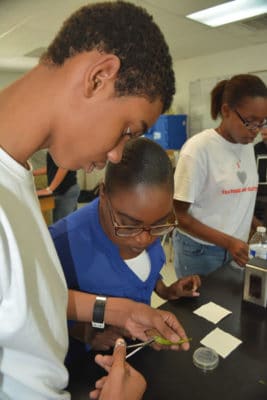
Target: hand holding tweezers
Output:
{"points": [[138, 346]]}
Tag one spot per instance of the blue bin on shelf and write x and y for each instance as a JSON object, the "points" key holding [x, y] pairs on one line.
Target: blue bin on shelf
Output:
{"points": [[169, 131]]}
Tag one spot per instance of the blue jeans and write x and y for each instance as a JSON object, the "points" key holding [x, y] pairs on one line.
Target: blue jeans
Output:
{"points": [[66, 203], [191, 257]]}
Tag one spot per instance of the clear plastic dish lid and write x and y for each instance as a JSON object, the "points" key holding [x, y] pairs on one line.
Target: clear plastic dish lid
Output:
{"points": [[205, 358]]}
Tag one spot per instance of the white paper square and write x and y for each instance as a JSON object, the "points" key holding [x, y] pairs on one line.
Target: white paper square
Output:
{"points": [[212, 312], [222, 342]]}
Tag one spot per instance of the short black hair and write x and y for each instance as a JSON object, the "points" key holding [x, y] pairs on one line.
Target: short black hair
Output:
{"points": [[143, 162], [127, 31], [233, 91]]}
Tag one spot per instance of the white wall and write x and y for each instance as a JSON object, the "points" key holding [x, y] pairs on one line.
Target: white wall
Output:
{"points": [[7, 77], [243, 60], [12, 69]]}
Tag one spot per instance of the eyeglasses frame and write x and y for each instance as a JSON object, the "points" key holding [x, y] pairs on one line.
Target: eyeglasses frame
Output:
{"points": [[248, 125], [116, 226]]}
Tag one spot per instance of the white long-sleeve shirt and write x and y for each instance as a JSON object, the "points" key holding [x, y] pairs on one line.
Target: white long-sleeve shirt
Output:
{"points": [[33, 294]]}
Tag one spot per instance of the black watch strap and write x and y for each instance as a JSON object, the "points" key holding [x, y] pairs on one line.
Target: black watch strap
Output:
{"points": [[98, 312]]}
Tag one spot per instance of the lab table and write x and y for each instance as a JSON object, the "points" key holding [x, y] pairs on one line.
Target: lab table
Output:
{"points": [[172, 375]]}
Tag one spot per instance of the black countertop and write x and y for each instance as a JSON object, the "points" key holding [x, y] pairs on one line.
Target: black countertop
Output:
{"points": [[172, 375]]}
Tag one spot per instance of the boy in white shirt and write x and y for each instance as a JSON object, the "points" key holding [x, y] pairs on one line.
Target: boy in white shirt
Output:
{"points": [[80, 103]]}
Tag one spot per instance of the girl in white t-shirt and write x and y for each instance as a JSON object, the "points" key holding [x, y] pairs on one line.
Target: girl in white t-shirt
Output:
{"points": [[216, 180]]}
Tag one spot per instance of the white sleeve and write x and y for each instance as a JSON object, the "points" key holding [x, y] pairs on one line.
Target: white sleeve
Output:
{"points": [[12, 292], [189, 177]]}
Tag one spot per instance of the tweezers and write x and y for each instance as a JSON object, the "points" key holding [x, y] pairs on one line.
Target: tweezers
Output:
{"points": [[138, 346]]}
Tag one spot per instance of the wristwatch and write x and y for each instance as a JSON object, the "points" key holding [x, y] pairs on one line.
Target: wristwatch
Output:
{"points": [[98, 312]]}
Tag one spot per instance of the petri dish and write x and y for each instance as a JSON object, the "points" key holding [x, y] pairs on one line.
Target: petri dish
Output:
{"points": [[205, 358]]}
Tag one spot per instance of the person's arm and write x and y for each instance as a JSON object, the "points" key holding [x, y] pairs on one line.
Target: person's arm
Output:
{"points": [[236, 247], [135, 317], [40, 171], [58, 178], [123, 382], [184, 287], [98, 340]]}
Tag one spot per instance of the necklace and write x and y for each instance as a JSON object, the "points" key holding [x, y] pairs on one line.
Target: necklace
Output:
{"points": [[237, 156], [242, 175]]}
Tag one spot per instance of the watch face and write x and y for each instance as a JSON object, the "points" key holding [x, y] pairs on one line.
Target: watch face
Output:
{"points": [[98, 325], [101, 298], [98, 313]]}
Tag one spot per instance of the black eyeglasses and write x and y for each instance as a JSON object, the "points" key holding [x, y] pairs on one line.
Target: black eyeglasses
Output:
{"points": [[250, 124], [132, 231]]}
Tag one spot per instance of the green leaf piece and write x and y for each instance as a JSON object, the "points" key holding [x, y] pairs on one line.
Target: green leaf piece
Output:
{"points": [[166, 342]]}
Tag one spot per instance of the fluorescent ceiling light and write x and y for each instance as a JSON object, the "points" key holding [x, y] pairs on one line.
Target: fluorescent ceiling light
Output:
{"points": [[230, 12]]}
